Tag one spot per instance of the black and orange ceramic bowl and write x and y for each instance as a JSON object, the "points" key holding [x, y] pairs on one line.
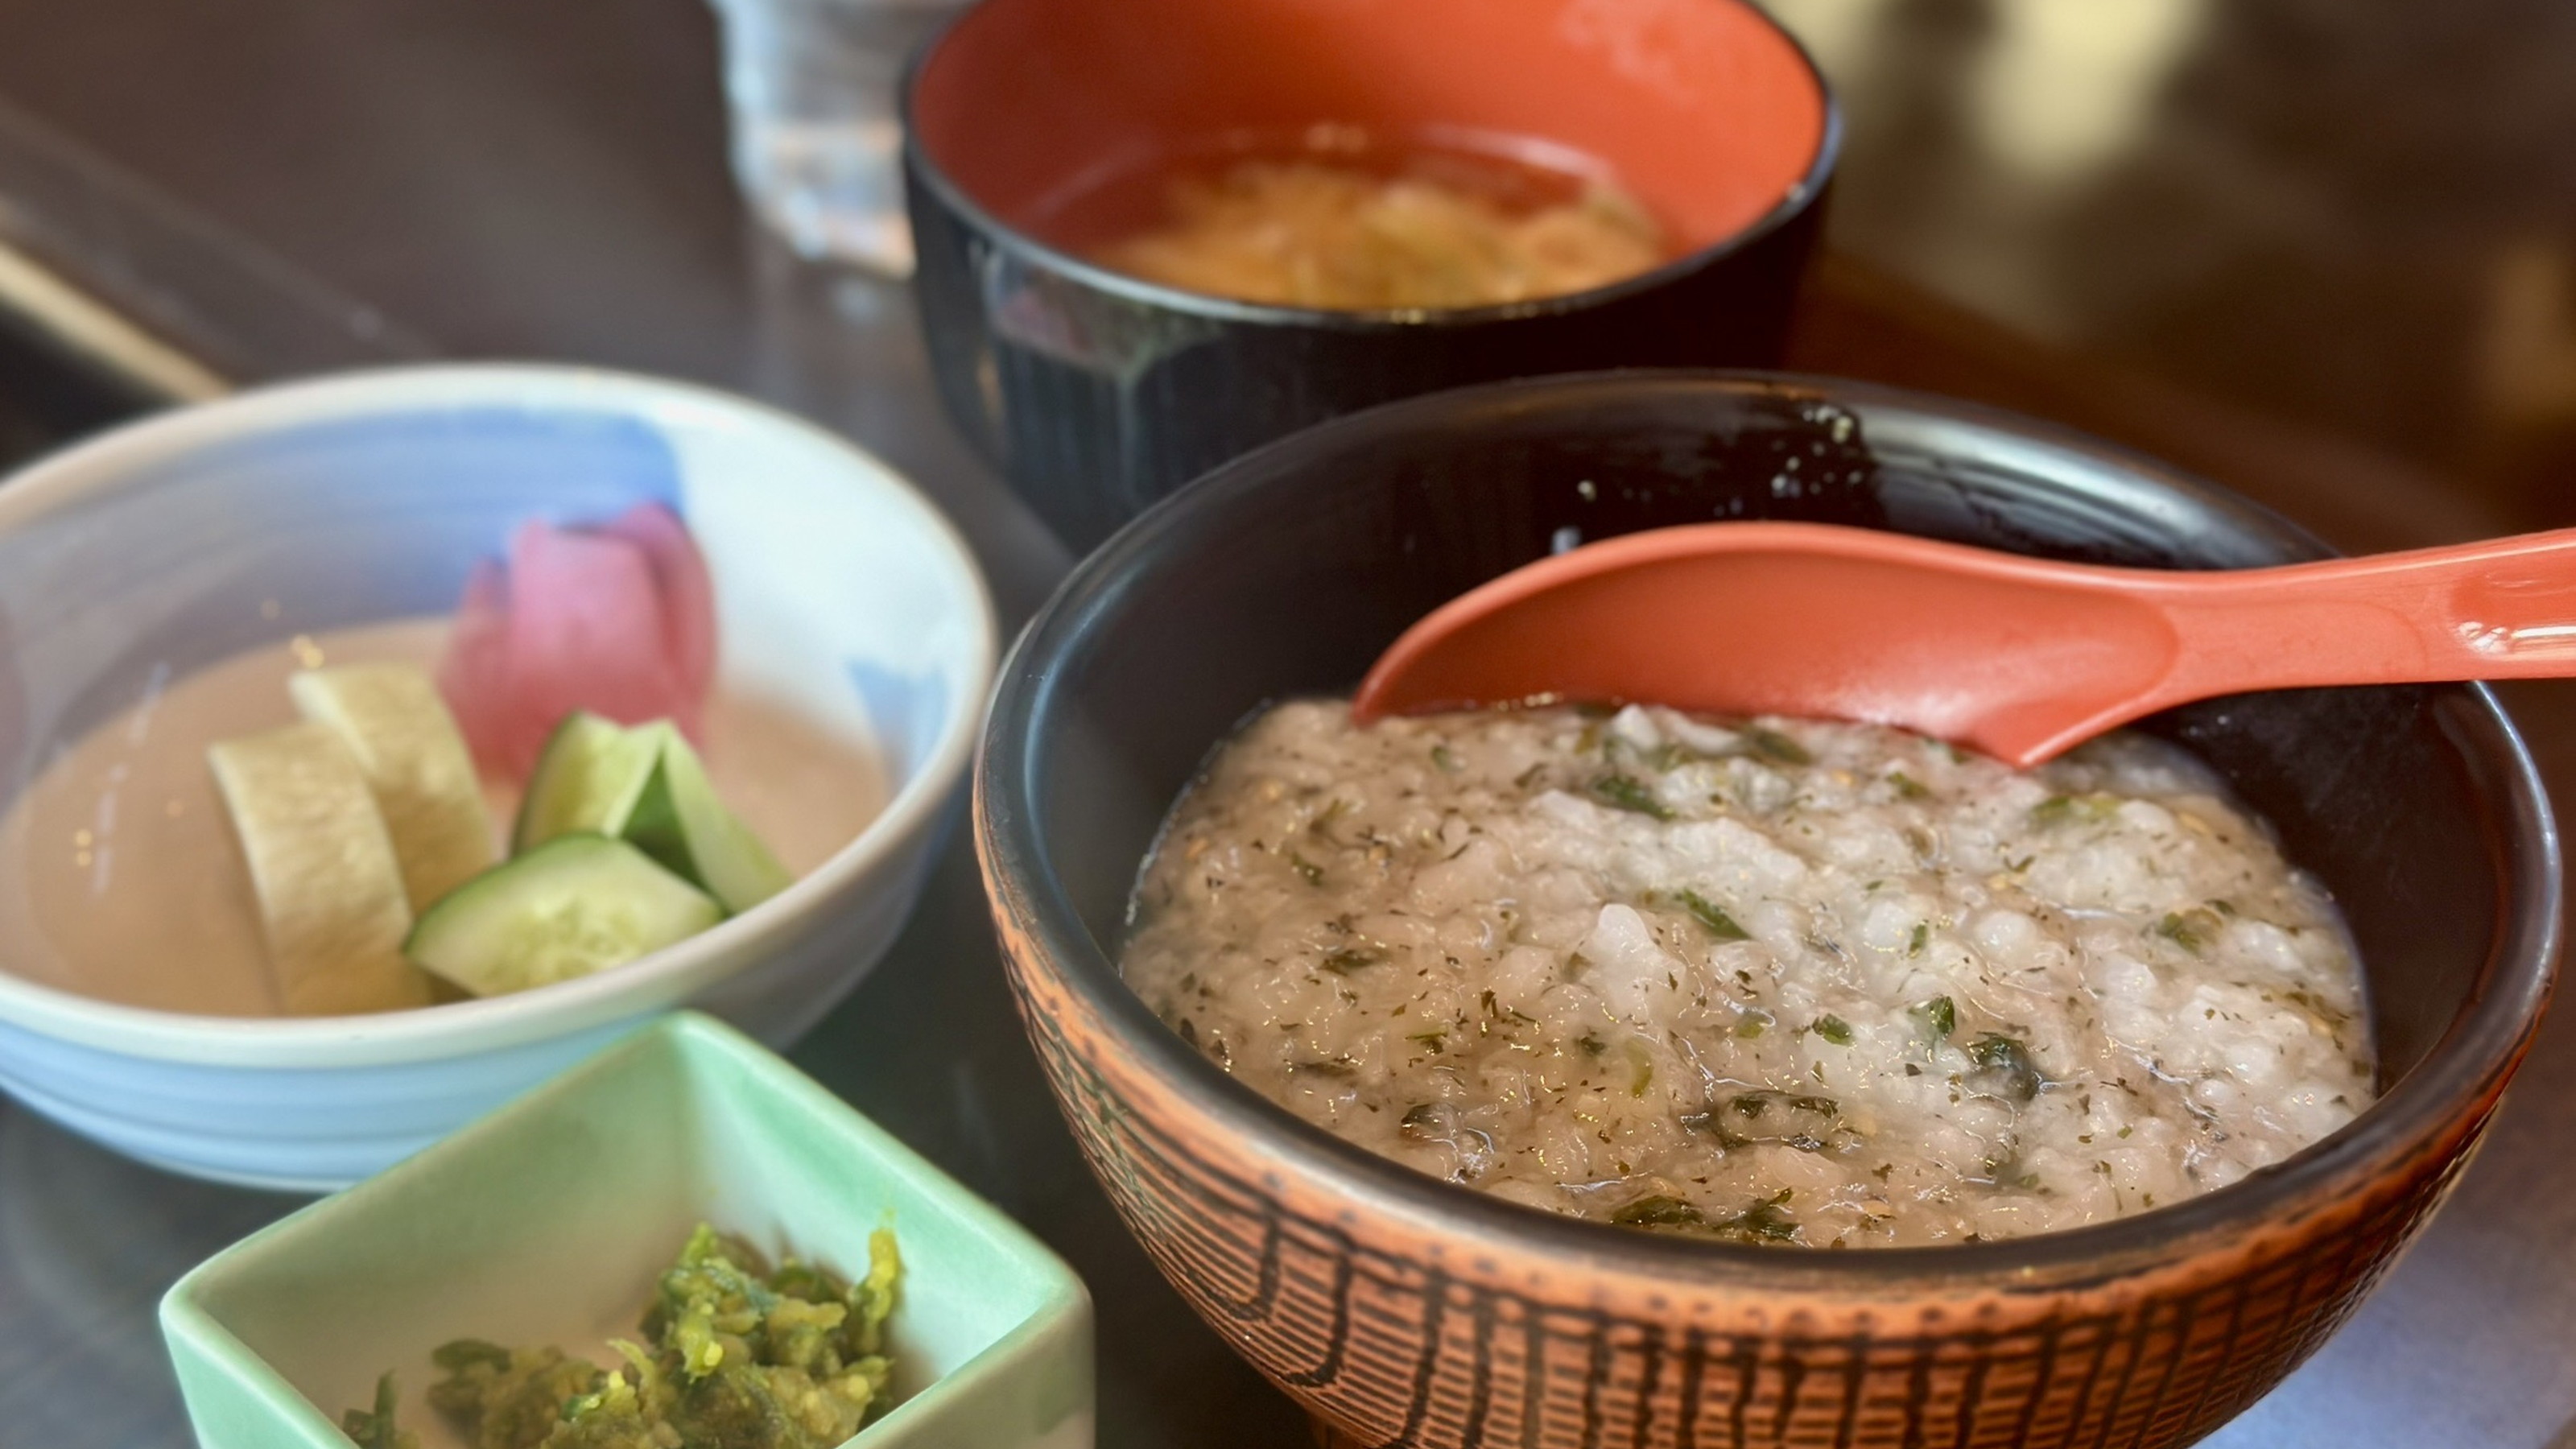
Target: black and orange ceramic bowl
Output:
{"points": [[1035, 126], [1406, 1311]]}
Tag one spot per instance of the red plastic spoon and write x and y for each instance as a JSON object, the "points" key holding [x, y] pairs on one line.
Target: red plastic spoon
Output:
{"points": [[2019, 657]]}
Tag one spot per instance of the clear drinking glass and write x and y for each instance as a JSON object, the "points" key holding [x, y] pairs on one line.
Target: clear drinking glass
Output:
{"points": [[817, 142]]}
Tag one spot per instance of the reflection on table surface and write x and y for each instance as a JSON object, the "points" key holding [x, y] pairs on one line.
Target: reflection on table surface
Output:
{"points": [[2321, 253]]}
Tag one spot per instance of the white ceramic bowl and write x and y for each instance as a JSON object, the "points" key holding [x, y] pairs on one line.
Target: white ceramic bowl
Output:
{"points": [[171, 544]]}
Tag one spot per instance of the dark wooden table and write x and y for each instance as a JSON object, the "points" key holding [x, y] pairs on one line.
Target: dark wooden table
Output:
{"points": [[545, 178]]}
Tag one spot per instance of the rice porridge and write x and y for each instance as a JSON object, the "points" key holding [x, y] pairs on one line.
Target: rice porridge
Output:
{"points": [[1784, 981]]}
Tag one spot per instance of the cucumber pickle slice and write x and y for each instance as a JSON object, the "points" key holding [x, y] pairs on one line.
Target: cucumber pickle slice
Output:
{"points": [[575, 904], [589, 778], [680, 822], [646, 786]]}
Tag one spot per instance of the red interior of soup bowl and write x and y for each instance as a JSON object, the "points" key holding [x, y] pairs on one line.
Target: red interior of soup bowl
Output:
{"points": [[1702, 109]]}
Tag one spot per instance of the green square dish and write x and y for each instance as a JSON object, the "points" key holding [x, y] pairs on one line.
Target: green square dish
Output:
{"points": [[549, 1220]]}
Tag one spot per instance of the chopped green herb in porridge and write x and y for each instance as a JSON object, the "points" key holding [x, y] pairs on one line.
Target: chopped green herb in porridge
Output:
{"points": [[1775, 982]]}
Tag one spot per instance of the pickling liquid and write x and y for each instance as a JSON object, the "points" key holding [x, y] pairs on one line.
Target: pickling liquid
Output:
{"points": [[121, 877]]}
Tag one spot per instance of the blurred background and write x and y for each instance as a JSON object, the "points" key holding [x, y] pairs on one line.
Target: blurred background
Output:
{"points": [[2354, 216], [2250, 226]]}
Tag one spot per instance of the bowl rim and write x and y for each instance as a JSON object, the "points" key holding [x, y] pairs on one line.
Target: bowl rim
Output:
{"points": [[2467, 1065], [1027, 249], [111, 461]]}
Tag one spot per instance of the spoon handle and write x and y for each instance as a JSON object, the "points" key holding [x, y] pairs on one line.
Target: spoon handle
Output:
{"points": [[2496, 609]]}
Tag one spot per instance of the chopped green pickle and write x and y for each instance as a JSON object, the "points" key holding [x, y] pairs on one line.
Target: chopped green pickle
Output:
{"points": [[741, 1356], [374, 1428]]}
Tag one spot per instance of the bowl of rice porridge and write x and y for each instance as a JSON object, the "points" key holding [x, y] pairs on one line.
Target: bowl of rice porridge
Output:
{"points": [[1596, 1072]]}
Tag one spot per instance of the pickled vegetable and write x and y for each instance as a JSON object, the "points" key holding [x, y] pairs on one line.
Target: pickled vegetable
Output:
{"points": [[741, 1356]]}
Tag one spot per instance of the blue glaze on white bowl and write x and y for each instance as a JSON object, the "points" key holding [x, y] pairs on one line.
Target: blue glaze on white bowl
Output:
{"points": [[136, 558]]}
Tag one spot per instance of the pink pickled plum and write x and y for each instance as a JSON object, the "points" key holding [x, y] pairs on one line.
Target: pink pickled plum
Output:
{"points": [[617, 619]]}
